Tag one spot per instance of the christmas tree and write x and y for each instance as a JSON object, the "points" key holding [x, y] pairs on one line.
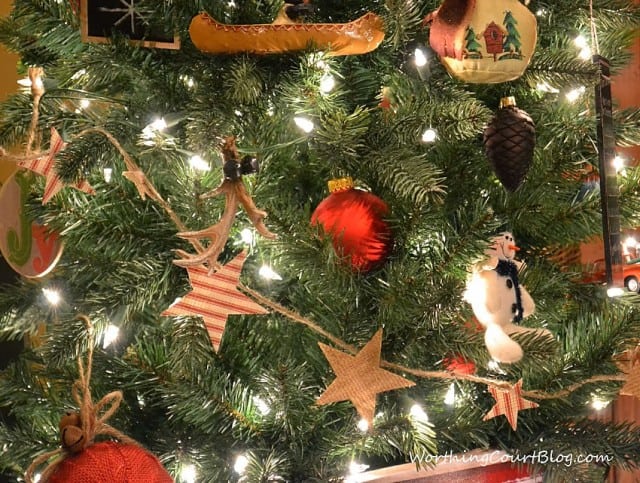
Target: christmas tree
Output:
{"points": [[512, 40], [300, 350]]}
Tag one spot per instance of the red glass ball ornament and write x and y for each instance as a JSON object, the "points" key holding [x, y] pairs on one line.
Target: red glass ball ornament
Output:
{"points": [[111, 462], [355, 221]]}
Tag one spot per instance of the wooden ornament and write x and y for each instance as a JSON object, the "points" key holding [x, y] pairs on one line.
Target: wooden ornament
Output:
{"points": [[357, 37], [360, 378], [483, 41], [28, 247]]}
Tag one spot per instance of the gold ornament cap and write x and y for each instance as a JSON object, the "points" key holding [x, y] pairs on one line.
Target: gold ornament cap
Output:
{"points": [[340, 184], [507, 101]]}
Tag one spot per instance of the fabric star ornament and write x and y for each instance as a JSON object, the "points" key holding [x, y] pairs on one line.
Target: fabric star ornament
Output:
{"points": [[359, 378], [509, 402], [215, 297], [45, 166]]}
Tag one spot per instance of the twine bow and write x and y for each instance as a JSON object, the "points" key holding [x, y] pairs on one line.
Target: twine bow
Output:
{"points": [[92, 417]]}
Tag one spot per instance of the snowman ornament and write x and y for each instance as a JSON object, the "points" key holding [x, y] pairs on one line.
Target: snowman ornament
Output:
{"points": [[498, 300]]}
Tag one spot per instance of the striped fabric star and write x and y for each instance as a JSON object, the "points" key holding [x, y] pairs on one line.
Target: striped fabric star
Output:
{"points": [[45, 166], [509, 402], [215, 297]]}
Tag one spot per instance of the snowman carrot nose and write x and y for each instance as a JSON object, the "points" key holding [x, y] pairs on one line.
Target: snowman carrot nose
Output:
{"points": [[514, 248]]}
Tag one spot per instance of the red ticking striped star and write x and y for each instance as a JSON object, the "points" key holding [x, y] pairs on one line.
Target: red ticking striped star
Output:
{"points": [[214, 297]]}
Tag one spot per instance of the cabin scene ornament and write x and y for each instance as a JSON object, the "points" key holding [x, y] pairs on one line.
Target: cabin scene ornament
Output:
{"points": [[483, 41]]}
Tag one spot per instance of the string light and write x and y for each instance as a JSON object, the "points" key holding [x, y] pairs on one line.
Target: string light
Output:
{"points": [[247, 236], [110, 335], [107, 173], [419, 57], [545, 87], [613, 292], [37, 477], [631, 242], [618, 163], [418, 413], [450, 397], [157, 125], [199, 164], [52, 296], [188, 474], [240, 466], [267, 272], [599, 404], [327, 83], [304, 123], [363, 425], [574, 94], [262, 405], [429, 136]]}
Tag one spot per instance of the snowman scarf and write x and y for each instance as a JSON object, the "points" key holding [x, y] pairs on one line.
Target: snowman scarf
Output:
{"points": [[506, 268]]}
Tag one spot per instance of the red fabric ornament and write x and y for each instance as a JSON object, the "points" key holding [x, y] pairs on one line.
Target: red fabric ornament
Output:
{"points": [[460, 365], [113, 463], [354, 219]]}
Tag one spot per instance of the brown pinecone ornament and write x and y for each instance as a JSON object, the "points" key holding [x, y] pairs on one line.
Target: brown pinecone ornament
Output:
{"points": [[509, 140]]}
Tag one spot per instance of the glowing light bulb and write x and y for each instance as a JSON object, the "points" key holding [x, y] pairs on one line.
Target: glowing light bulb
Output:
{"points": [[450, 397], [574, 94], [599, 404], [585, 53], [418, 413], [267, 272], [188, 474], [613, 292], [84, 103], [363, 425], [304, 123], [545, 87], [247, 236], [429, 136], [240, 466], [110, 335], [52, 296], [618, 163], [262, 405], [37, 477], [107, 173], [580, 41], [327, 83], [158, 124], [419, 57], [355, 467], [631, 242], [199, 164]]}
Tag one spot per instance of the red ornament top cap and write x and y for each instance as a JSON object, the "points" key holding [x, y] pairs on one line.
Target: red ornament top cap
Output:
{"points": [[340, 184]]}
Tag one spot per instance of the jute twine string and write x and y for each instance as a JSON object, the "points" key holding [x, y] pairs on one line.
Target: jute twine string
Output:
{"points": [[92, 417]]}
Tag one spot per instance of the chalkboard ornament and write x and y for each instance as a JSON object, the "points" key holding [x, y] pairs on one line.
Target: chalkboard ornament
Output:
{"points": [[286, 35], [101, 19]]}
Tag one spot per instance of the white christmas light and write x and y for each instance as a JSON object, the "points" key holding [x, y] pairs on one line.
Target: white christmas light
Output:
{"points": [[110, 335], [52, 296], [355, 468], [237, 113], [418, 413], [631, 242], [36, 477], [327, 83], [84, 103], [304, 123], [267, 272], [574, 94], [429, 136], [599, 404], [363, 425], [79, 74], [618, 163], [241, 464], [188, 474], [199, 164], [585, 53], [450, 398], [262, 405], [247, 236], [541, 12], [158, 124], [613, 292], [107, 173], [188, 80], [580, 41], [419, 57], [545, 87]]}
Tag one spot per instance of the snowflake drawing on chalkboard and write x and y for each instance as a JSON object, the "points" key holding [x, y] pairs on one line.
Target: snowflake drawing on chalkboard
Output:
{"points": [[128, 12]]}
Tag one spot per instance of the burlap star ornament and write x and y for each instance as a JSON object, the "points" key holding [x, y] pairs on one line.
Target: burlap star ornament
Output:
{"points": [[360, 378]]}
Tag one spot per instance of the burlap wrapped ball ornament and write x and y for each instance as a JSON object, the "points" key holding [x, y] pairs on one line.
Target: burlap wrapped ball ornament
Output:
{"points": [[509, 141], [483, 41], [354, 219], [111, 462]]}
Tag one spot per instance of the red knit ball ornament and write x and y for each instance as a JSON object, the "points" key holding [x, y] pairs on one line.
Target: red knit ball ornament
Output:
{"points": [[354, 219], [112, 463]]}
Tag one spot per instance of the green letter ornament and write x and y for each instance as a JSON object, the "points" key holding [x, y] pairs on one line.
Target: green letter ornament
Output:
{"points": [[20, 245]]}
